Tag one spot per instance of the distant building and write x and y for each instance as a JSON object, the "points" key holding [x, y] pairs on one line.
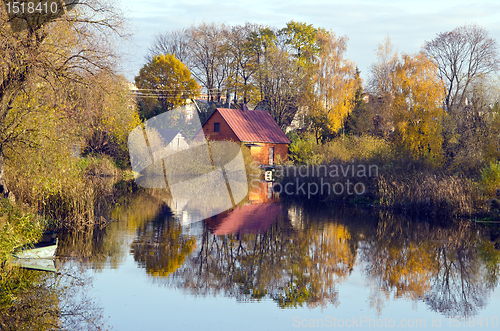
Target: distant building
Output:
{"points": [[174, 140], [255, 128]]}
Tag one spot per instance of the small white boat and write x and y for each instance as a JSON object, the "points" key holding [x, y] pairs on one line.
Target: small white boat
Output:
{"points": [[40, 251]]}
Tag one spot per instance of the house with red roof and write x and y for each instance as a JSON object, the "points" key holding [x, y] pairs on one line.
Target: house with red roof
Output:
{"points": [[257, 129]]}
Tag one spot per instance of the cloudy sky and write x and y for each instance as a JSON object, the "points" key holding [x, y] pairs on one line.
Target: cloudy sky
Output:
{"points": [[409, 23]]}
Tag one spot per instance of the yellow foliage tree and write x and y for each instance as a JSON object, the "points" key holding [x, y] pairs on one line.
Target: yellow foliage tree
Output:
{"points": [[108, 114], [335, 83], [167, 81], [417, 99]]}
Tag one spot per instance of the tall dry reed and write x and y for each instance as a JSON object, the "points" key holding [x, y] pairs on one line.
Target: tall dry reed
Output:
{"points": [[426, 194]]}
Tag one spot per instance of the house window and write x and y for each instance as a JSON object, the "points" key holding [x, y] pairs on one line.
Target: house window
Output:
{"points": [[216, 127]]}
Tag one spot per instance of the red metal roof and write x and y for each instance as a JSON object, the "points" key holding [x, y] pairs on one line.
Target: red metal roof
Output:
{"points": [[254, 126]]}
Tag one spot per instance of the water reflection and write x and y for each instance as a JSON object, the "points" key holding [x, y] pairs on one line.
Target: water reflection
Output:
{"points": [[254, 253], [299, 255], [160, 247], [34, 300], [255, 216], [443, 265], [289, 267]]}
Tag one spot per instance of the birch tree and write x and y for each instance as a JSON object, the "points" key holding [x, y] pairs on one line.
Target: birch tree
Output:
{"points": [[335, 84]]}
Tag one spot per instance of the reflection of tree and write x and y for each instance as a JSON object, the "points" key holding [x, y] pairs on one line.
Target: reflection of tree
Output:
{"points": [[292, 268], [34, 300], [98, 247], [458, 287], [491, 258], [94, 247], [160, 247], [440, 265], [397, 262]]}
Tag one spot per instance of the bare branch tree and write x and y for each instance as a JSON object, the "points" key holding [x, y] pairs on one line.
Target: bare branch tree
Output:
{"points": [[243, 60], [174, 42], [462, 54], [206, 43], [380, 79], [283, 84]]}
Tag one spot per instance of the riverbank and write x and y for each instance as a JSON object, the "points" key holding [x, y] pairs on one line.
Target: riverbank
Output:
{"points": [[406, 188], [71, 192], [375, 172]]}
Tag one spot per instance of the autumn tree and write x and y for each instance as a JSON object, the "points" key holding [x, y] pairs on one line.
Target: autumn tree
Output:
{"points": [[260, 42], [408, 101], [285, 77], [49, 55], [491, 147], [244, 63], [466, 57], [359, 121], [380, 80], [103, 117], [268, 67], [208, 57], [282, 85], [476, 138], [416, 106], [335, 83], [165, 82], [303, 40]]}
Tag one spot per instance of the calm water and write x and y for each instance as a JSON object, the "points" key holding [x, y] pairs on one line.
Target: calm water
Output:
{"points": [[272, 265]]}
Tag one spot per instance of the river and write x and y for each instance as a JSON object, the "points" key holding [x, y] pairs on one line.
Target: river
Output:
{"points": [[277, 265]]}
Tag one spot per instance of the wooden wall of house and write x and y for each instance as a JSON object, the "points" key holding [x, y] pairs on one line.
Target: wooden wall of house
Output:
{"points": [[225, 132], [261, 152]]}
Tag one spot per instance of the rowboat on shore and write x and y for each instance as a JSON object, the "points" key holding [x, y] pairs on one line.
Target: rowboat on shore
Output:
{"points": [[40, 251], [40, 257]]}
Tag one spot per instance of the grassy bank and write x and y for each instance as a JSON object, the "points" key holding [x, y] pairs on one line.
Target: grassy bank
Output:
{"points": [[17, 228], [69, 191], [338, 172]]}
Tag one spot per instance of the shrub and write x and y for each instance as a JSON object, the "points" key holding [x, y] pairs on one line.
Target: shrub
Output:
{"points": [[16, 229], [357, 148], [490, 178], [55, 185], [99, 166], [304, 150]]}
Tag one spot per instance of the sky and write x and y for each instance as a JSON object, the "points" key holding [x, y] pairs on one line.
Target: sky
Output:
{"points": [[365, 22]]}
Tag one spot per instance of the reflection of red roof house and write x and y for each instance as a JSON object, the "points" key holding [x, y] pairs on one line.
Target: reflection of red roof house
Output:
{"points": [[253, 218], [255, 128]]}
